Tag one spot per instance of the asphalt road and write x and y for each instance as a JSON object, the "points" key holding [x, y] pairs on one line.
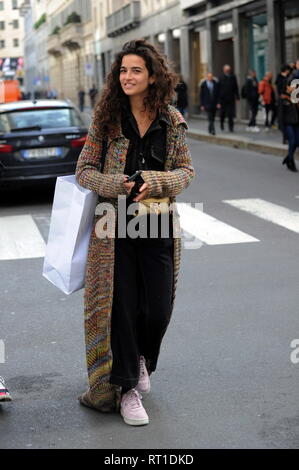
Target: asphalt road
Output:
{"points": [[224, 378]]}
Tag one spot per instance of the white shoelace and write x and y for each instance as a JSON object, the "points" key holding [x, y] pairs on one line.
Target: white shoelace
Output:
{"points": [[142, 367], [133, 398]]}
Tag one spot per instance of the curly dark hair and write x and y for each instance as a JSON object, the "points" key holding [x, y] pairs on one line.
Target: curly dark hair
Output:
{"points": [[160, 94]]}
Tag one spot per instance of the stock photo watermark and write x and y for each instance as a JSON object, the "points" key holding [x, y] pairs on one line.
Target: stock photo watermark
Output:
{"points": [[294, 356], [147, 220], [2, 351], [295, 93]]}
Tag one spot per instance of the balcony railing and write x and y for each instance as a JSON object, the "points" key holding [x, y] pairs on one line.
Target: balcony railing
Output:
{"points": [[127, 17], [71, 36], [54, 45]]}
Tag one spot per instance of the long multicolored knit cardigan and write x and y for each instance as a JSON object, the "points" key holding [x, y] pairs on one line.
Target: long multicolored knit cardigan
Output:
{"points": [[98, 294]]}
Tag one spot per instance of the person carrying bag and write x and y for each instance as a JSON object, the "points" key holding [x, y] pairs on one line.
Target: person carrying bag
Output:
{"points": [[131, 277], [70, 229]]}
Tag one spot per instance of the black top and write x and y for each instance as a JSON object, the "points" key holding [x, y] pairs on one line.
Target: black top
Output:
{"points": [[251, 89], [147, 152], [281, 83], [182, 95], [209, 98], [228, 88], [290, 112]]}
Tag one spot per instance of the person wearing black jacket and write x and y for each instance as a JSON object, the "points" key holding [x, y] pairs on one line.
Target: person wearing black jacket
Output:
{"points": [[228, 94], [209, 96], [281, 83], [182, 96], [251, 93], [290, 119], [295, 72]]}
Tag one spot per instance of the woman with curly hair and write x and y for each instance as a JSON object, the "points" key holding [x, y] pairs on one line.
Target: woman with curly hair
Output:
{"points": [[131, 274]]}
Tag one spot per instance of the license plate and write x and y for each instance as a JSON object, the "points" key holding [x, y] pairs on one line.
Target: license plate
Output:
{"points": [[42, 153]]}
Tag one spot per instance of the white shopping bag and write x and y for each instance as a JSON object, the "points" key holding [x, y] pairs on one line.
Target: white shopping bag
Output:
{"points": [[70, 229]]}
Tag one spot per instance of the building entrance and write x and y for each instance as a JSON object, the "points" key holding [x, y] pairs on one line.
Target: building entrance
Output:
{"points": [[223, 54]]}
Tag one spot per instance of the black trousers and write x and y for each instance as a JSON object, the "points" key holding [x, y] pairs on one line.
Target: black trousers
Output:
{"points": [[270, 107], [142, 305], [253, 106], [211, 118], [227, 110]]}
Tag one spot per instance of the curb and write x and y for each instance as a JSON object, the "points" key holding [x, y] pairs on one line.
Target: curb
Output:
{"points": [[239, 143]]}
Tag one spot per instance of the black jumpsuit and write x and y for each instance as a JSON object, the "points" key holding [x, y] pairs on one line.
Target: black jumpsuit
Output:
{"points": [[143, 270]]}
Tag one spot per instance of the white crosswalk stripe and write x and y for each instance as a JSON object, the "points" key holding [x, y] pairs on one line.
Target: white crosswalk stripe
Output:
{"points": [[20, 238], [274, 213], [21, 235], [208, 229]]}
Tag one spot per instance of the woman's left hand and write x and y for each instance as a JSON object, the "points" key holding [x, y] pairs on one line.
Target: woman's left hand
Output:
{"points": [[143, 193]]}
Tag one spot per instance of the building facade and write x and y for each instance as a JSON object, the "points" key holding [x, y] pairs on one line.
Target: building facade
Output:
{"points": [[247, 34], [70, 46], [76, 41], [118, 21], [11, 41], [37, 80]]}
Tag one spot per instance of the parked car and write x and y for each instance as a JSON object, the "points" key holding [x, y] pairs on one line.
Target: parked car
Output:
{"points": [[39, 140]]}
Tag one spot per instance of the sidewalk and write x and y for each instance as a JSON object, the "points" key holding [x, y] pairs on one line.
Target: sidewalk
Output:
{"points": [[265, 141]]}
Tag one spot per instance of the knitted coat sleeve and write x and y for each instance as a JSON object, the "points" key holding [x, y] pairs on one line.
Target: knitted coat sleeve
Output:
{"points": [[87, 170], [171, 183]]}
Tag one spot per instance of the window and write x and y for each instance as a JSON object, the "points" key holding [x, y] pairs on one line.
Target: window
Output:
{"points": [[46, 118], [15, 43], [2, 43], [15, 24], [14, 4], [291, 22], [2, 25], [1, 5]]}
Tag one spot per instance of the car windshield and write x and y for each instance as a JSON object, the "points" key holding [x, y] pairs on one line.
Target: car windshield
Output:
{"points": [[45, 118]]}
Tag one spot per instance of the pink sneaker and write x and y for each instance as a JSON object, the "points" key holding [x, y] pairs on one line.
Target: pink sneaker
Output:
{"points": [[144, 385], [132, 409], [4, 393]]}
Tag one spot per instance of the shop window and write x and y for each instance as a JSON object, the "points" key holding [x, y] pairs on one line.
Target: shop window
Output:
{"points": [[258, 45], [291, 28]]}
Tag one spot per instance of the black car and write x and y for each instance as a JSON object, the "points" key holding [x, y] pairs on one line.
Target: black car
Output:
{"points": [[39, 140]]}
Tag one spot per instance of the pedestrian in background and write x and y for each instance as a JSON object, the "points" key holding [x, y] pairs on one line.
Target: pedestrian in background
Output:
{"points": [[228, 95], [281, 83], [131, 282], [266, 90], [209, 99], [250, 91], [52, 94], [290, 119], [93, 95], [295, 72], [182, 95], [81, 96]]}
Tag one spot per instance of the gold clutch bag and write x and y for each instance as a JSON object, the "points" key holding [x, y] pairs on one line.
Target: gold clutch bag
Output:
{"points": [[154, 205]]}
